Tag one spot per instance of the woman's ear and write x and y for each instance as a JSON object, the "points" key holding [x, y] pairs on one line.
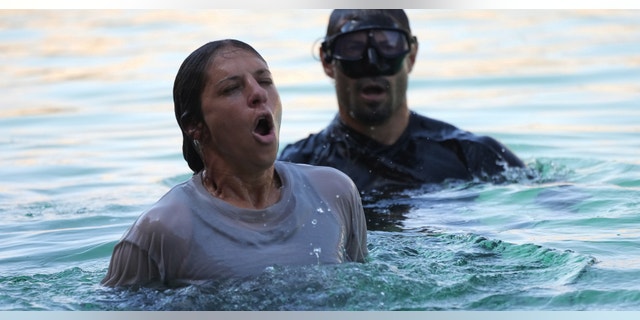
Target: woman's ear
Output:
{"points": [[194, 131]]}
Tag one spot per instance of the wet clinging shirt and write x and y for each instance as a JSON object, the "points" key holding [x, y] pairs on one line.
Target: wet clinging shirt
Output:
{"points": [[189, 235], [429, 151]]}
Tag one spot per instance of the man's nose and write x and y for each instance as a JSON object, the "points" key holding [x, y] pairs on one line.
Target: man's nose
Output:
{"points": [[372, 56]]}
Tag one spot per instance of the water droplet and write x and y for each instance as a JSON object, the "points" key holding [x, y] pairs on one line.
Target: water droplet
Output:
{"points": [[319, 210], [316, 252], [314, 222]]}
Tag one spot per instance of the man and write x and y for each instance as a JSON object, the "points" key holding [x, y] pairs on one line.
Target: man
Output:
{"points": [[375, 138]]}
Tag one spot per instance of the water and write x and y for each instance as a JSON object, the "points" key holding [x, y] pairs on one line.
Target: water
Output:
{"points": [[89, 141]]}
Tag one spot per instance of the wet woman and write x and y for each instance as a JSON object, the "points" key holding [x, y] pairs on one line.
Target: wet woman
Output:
{"points": [[242, 211]]}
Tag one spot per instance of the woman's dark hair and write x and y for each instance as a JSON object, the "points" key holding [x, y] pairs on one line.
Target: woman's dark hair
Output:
{"points": [[187, 89]]}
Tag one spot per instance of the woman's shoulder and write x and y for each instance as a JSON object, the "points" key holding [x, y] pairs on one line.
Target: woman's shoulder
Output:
{"points": [[322, 177], [312, 171], [168, 216]]}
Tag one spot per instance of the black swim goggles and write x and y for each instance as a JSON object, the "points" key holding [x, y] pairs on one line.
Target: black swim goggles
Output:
{"points": [[369, 52]]}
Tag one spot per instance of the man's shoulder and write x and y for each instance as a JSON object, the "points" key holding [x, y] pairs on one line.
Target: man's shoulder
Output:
{"points": [[439, 129], [425, 122], [311, 139], [298, 151], [303, 150], [434, 129]]}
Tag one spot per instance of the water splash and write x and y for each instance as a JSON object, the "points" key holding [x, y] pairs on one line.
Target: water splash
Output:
{"points": [[423, 270]]}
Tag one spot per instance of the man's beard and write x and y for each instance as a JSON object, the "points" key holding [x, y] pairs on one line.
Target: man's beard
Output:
{"points": [[371, 116]]}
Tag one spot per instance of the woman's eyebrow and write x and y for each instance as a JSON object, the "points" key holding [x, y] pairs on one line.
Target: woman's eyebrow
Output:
{"points": [[259, 72], [229, 78]]}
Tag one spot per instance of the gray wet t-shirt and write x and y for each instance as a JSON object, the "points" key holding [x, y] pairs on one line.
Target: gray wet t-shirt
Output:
{"points": [[189, 235]]}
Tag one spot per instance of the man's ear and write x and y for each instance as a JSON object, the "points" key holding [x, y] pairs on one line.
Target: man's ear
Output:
{"points": [[411, 59], [327, 66]]}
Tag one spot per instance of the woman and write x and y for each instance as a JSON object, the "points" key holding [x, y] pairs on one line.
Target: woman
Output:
{"points": [[241, 211]]}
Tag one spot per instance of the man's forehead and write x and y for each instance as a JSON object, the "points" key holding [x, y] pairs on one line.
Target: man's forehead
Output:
{"points": [[354, 22]]}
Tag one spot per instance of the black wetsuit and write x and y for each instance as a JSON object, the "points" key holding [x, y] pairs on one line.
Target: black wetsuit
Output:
{"points": [[429, 151]]}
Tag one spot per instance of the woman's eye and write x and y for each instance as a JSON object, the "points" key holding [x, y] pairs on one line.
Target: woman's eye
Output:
{"points": [[229, 89]]}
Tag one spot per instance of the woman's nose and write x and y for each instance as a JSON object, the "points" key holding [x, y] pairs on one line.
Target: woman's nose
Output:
{"points": [[257, 95]]}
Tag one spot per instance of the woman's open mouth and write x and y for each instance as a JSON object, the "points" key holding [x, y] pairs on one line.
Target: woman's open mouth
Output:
{"points": [[264, 129], [264, 126]]}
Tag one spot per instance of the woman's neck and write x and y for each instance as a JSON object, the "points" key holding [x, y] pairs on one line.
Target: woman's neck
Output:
{"points": [[250, 192]]}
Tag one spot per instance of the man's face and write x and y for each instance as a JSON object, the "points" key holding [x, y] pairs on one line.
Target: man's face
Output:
{"points": [[371, 100], [371, 61]]}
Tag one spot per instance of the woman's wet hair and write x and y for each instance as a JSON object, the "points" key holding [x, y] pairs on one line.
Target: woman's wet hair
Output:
{"points": [[187, 90]]}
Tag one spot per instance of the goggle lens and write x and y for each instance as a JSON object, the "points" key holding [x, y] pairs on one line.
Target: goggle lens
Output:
{"points": [[353, 45]]}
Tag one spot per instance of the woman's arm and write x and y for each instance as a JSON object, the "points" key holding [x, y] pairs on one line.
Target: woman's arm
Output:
{"points": [[130, 266]]}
